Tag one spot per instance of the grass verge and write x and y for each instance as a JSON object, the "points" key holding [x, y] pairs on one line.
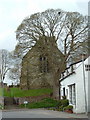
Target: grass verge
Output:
{"points": [[17, 92]]}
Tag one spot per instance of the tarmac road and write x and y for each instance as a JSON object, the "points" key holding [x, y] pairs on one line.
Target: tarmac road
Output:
{"points": [[39, 113]]}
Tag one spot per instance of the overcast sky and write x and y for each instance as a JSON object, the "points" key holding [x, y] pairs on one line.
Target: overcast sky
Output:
{"points": [[12, 12]]}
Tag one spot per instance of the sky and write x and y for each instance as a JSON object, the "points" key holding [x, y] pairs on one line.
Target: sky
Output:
{"points": [[12, 12]]}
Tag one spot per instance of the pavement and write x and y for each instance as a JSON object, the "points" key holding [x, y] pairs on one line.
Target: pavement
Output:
{"points": [[0, 114], [88, 116], [39, 113]]}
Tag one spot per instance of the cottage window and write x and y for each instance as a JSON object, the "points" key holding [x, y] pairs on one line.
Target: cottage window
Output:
{"points": [[87, 67], [67, 72], [67, 92], [71, 68], [62, 74], [72, 94], [44, 64], [64, 91]]}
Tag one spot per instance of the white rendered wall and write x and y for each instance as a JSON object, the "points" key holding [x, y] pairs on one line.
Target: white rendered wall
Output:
{"points": [[80, 94], [87, 78], [88, 92], [78, 79]]}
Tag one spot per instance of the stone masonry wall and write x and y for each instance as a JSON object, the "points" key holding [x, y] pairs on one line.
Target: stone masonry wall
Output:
{"points": [[31, 76]]}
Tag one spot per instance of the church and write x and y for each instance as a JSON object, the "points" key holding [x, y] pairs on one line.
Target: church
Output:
{"points": [[39, 62]]}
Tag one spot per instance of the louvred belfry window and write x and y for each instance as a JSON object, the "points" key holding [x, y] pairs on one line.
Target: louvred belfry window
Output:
{"points": [[43, 64]]}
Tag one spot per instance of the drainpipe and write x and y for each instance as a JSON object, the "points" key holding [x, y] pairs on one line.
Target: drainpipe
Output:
{"points": [[84, 85]]}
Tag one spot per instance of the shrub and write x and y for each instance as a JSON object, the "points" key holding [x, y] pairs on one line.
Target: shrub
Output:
{"points": [[49, 100], [59, 104], [44, 103], [64, 97], [64, 102], [60, 108], [69, 107], [1, 106]]}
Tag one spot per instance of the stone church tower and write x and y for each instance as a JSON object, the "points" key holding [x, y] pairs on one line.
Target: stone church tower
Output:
{"points": [[37, 68]]}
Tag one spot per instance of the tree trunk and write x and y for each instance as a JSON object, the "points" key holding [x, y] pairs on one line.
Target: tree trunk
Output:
{"points": [[56, 91], [56, 85]]}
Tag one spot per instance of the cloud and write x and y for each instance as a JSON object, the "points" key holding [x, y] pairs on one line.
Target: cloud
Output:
{"points": [[5, 34], [12, 12], [82, 1], [7, 40]]}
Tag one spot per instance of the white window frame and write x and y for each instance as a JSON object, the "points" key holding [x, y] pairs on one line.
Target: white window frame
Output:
{"points": [[72, 94]]}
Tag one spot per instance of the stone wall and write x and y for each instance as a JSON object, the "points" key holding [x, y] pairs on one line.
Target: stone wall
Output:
{"points": [[31, 98], [1, 100], [31, 76]]}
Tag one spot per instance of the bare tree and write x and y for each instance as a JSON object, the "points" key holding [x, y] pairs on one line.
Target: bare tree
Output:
{"points": [[4, 63], [15, 71], [14, 74], [68, 28]]}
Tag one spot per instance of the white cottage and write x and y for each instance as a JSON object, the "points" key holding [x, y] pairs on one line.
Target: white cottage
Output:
{"points": [[75, 85]]}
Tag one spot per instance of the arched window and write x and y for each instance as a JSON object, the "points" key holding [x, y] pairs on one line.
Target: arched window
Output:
{"points": [[43, 64]]}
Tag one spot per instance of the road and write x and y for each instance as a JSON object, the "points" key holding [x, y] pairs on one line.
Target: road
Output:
{"points": [[39, 113]]}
